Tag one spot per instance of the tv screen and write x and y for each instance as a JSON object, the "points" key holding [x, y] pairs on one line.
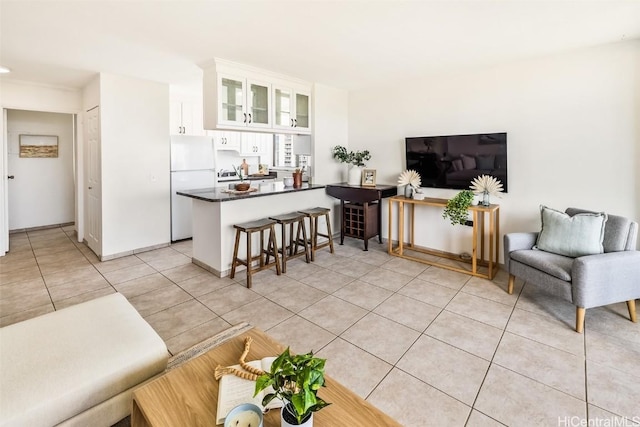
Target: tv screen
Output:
{"points": [[453, 161]]}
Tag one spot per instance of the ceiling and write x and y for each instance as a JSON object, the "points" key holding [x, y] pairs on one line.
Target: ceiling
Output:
{"points": [[347, 44]]}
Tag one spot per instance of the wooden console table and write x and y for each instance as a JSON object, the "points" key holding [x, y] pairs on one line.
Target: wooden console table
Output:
{"points": [[361, 209], [187, 396], [479, 212]]}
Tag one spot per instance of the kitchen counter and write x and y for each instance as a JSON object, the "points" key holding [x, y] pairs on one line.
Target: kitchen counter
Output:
{"points": [[220, 194], [215, 212], [254, 177]]}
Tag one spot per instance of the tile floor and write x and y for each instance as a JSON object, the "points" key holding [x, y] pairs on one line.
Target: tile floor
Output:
{"points": [[426, 345]]}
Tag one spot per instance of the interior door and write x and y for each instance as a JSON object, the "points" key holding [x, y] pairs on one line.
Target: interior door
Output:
{"points": [[93, 190], [4, 187], [40, 158]]}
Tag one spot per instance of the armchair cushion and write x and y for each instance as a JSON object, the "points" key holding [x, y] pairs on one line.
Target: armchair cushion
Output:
{"points": [[572, 236], [558, 266]]}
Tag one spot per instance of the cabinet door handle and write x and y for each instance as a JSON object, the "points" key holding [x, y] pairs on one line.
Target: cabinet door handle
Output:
{"points": [[296, 123], [245, 117], [291, 122], [250, 118]]}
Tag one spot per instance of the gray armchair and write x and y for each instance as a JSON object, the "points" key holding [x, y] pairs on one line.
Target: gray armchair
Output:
{"points": [[586, 281]]}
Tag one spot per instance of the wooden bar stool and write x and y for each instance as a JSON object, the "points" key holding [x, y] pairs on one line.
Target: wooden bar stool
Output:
{"points": [[313, 214], [292, 248], [260, 225]]}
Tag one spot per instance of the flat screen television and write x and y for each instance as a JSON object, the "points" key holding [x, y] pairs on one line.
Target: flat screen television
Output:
{"points": [[453, 161]]}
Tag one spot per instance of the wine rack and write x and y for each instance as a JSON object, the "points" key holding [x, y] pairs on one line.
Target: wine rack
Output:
{"points": [[360, 222]]}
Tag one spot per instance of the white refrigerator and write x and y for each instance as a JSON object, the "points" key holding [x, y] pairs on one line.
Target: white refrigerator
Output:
{"points": [[192, 167]]}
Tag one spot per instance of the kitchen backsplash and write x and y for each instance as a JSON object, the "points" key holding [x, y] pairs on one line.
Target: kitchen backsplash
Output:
{"points": [[227, 160], [298, 146]]}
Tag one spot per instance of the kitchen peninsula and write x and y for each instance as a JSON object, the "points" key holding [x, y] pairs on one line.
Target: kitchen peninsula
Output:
{"points": [[215, 211]]}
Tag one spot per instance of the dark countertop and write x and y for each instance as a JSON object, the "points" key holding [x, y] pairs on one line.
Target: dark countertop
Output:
{"points": [[364, 187], [218, 194], [254, 177]]}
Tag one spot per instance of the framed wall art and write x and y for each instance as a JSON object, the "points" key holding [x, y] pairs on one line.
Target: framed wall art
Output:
{"points": [[38, 145]]}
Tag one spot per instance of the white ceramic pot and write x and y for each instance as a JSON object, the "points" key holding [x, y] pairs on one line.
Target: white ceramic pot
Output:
{"points": [[288, 181], [284, 423], [355, 175]]}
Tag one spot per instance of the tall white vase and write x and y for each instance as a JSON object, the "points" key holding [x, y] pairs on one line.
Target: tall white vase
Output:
{"points": [[355, 175]]}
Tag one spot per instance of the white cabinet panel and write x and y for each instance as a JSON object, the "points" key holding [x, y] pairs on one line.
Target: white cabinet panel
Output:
{"points": [[186, 118], [227, 140], [255, 144]]}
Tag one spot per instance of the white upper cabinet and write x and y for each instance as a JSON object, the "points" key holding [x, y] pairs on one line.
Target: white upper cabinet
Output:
{"points": [[244, 98], [255, 144], [291, 109], [243, 103], [186, 118], [226, 140]]}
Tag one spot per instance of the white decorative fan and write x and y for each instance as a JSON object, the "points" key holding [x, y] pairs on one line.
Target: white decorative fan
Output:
{"points": [[486, 184], [410, 177]]}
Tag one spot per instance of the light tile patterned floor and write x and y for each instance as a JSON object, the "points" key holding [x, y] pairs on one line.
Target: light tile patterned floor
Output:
{"points": [[426, 345]]}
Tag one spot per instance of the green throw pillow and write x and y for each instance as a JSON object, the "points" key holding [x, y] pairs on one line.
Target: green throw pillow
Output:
{"points": [[572, 236]]}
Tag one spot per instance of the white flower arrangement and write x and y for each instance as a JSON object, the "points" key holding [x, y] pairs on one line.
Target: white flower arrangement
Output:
{"points": [[486, 184], [410, 177]]}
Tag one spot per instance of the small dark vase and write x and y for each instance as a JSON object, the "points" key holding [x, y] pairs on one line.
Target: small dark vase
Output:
{"points": [[243, 186], [297, 179]]}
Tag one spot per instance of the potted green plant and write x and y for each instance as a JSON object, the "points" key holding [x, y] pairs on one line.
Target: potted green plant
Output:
{"points": [[244, 185], [295, 380], [355, 159], [458, 207]]}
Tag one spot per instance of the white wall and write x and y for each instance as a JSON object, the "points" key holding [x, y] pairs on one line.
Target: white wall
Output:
{"points": [[572, 122], [330, 128], [39, 97], [42, 192], [135, 164]]}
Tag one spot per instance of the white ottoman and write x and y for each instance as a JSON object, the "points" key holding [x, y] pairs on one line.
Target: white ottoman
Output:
{"points": [[77, 366]]}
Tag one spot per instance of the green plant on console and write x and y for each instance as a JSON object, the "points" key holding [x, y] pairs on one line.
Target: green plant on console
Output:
{"points": [[458, 207], [356, 158], [296, 380]]}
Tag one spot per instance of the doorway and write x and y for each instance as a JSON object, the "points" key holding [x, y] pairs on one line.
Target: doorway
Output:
{"points": [[40, 160]]}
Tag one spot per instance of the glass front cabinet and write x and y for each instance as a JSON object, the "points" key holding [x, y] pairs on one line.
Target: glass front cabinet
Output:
{"points": [[241, 97], [243, 102], [291, 109]]}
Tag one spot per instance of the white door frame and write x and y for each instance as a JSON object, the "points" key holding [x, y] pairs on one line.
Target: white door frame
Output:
{"points": [[78, 162], [4, 197]]}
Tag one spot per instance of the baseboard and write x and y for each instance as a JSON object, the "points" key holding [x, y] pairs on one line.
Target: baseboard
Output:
{"points": [[133, 252]]}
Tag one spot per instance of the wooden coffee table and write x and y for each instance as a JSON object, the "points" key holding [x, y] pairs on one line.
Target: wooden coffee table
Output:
{"points": [[188, 395]]}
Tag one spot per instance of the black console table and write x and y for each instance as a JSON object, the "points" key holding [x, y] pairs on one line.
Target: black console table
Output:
{"points": [[361, 209]]}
